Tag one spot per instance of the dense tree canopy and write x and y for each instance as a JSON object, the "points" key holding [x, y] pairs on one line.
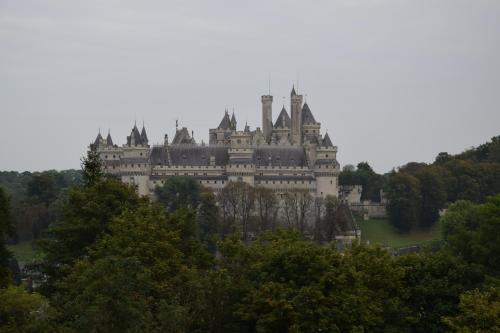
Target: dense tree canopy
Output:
{"points": [[6, 229], [363, 175], [473, 175], [472, 232], [404, 196], [179, 192]]}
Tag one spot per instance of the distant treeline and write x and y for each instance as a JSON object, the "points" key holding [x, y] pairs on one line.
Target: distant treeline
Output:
{"points": [[36, 199], [418, 191]]}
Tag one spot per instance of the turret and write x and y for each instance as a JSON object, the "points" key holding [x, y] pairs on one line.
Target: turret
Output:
{"points": [[267, 116], [144, 136], [109, 141], [233, 122], [296, 116]]}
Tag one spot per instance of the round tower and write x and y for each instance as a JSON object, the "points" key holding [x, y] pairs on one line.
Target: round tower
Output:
{"points": [[267, 116]]}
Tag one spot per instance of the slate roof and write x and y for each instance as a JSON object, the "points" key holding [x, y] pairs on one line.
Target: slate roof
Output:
{"points": [[136, 135], [109, 141], [144, 136], [225, 122], [200, 155], [233, 122], [326, 141], [189, 155], [98, 139], [158, 156], [307, 116], [279, 156], [182, 137], [283, 120]]}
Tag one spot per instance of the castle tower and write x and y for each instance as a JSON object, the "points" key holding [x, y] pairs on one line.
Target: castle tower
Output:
{"points": [[267, 116], [296, 110]]}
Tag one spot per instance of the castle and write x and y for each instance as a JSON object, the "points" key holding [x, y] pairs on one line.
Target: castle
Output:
{"points": [[290, 153]]}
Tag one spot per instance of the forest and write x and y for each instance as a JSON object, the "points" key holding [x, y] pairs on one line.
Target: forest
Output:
{"points": [[192, 261], [417, 192]]}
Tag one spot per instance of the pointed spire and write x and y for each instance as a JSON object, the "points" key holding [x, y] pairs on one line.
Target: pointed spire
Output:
{"points": [[326, 141], [233, 122], [98, 140], [293, 93], [307, 116], [144, 136], [283, 120], [109, 141], [225, 122]]}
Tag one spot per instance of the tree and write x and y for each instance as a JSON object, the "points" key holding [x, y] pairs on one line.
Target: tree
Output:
{"points": [[285, 284], [87, 214], [479, 312], [207, 218], [404, 200], [364, 175], [267, 207], [238, 201], [179, 192], [136, 278], [91, 168], [432, 196], [21, 311], [319, 211], [330, 224], [472, 231], [43, 187], [6, 229], [434, 282], [297, 205]]}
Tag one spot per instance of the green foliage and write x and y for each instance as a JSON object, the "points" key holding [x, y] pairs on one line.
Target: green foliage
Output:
{"points": [[179, 192], [473, 232], [291, 285], [35, 199], [87, 214], [432, 196], [207, 218], [6, 229], [435, 282], [479, 312], [364, 175], [21, 311], [91, 168], [473, 175], [403, 195], [42, 187], [136, 278]]}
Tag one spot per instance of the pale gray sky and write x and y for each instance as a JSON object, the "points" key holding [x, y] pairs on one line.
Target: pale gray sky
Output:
{"points": [[392, 80]]}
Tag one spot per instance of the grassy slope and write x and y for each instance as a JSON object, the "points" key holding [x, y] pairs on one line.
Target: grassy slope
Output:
{"points": [[24, 252], [381, 232]]}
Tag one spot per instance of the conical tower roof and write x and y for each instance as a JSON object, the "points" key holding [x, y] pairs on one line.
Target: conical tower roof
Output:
{"points": [[144, 136], [326, 141], [98, 140], [283, 120], [307, 116], [225, 122], [109, 141]]}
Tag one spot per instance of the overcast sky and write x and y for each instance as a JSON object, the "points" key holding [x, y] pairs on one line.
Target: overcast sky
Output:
{"points": [[392, 81]]}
